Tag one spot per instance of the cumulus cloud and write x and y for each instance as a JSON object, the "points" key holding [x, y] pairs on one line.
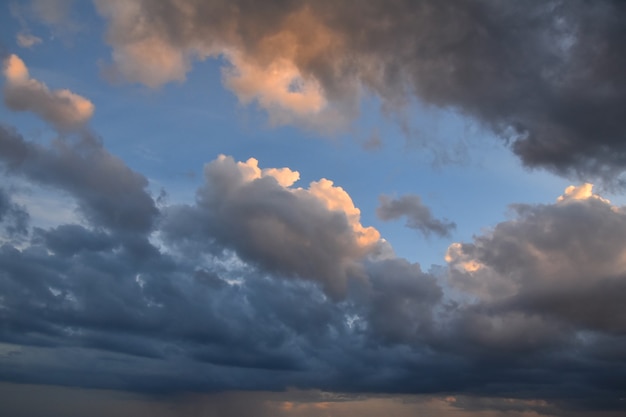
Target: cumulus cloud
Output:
{"points": [[546, 77], [314, 233], [109, 193], [419, 216], [61, 108], [555, 270], [261, 284]]}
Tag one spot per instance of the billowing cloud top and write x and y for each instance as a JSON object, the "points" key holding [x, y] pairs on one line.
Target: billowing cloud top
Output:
{"points": [[312, 233], [61, 108]]}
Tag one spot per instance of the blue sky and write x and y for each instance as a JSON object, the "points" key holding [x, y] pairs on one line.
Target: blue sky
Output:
{"points": [[470, 145]]}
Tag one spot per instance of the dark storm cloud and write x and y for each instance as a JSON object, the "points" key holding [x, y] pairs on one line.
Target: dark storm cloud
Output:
{"points": [[547, 76], [109, 193], [418, 215]]}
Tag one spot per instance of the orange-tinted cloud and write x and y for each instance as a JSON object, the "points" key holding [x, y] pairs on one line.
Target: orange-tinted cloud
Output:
{"points": [[63, 109]]}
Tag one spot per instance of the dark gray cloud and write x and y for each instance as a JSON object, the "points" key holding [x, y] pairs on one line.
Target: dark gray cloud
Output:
{"points": [[108, 193], [13, 217], [562, 262], [286, 231], [544, 75], [418, 215], [259, 285]]}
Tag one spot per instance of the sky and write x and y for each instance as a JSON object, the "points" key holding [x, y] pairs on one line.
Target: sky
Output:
{"points": [[312, 208]]}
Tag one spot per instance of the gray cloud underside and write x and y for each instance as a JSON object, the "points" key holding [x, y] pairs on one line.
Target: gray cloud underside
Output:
{"points": [[108, 192], [547, 76], [247, 288]]}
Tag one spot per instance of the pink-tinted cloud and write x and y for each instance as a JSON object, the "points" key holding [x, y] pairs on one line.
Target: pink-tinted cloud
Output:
{"points": [[63, 109]]}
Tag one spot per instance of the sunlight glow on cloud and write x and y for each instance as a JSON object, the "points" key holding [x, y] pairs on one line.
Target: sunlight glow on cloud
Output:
{"points": [[236, 282], [332, 197], [61, 108], [456, 258], [303, 60], [142, 54], [250, 171], [581, 192], [277, 87], [336, 198]]}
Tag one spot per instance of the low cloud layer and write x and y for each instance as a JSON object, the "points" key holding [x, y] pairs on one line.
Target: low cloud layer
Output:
{"points": [[61, 108], [260, 284], [545, 76]]}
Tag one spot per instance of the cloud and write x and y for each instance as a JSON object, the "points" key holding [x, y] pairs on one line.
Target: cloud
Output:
{"points": [[109, 193], [419, 216], [61, 108], [533, 73], [55, 13], [13, 217], [313, 233], [262, 285], [559, 266], [581, 192], [27, 40], [72, 402]]}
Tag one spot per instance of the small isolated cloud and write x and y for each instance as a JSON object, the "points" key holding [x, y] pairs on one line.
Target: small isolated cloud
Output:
{"points": [[418, 216], [61, 108], [27, 40]]}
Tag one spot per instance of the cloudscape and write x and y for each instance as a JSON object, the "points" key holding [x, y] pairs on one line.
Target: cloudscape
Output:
{"points": [[313, 208]]}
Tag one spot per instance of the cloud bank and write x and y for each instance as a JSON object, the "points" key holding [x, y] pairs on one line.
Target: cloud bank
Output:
{"points": [[260, 284]]}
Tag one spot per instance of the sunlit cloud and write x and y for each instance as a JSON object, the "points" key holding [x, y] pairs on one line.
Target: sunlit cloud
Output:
{"points": [[63, 109]]}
